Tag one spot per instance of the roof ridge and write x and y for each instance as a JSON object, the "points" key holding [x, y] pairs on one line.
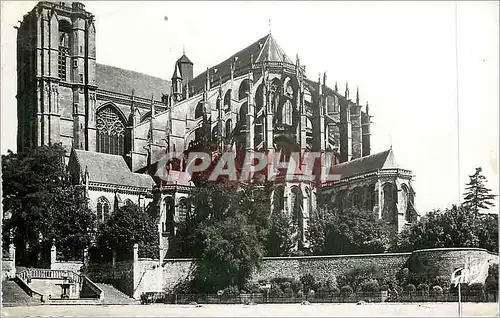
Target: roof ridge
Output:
{"points": [[129, 70], [365, 157]]}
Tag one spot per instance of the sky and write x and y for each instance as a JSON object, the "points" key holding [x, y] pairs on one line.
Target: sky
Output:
{"points": [[429, 70]]}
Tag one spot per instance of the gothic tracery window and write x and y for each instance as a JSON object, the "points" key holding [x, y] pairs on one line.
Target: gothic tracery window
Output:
{"points": [[64, 30], [286, 113], [103, 208], [110, 132]]}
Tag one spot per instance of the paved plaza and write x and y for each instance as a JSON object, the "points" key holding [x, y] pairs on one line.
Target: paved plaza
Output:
{"points": [[267, 310]]}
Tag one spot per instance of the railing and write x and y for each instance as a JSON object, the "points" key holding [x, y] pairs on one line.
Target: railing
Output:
{"points": [[86, 282], [417, 296], [41, 273], [30, 291]]}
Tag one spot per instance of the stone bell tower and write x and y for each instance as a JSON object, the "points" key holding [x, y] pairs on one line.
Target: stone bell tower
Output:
{"points": [[56, 67]]}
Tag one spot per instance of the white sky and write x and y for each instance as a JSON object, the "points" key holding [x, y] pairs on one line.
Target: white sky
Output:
{"points": [[401, 55]]}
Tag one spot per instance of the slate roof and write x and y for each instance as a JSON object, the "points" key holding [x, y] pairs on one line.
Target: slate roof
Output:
{"points": [[184, 59], [115, 79], [371, 163], [110, 169], [265, 48]]}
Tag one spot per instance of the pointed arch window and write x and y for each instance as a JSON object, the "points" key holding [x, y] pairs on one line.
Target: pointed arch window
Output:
{"points": [[110, 131], [183, 210], [228, 128], [103, 208], [244, 89], [168, 224], [64, 31], [227, 100], [286, 113]]}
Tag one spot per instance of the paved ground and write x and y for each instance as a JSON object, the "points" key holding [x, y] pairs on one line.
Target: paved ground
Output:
{"points": [[267, 310]]}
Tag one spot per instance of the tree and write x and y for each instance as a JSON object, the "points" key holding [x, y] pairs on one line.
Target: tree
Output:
{"points": [[488, 232], [280, 239], [43, 204], [229, 226], [455, 227], [126, 226], [351, 231], [477, 196]]}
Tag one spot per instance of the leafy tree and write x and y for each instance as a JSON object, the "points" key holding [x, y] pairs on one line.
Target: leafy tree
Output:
{"points": [[126, 226], [455, 227], [351, 231], [452, 228], [488, 232], [280, 239], [477, 196], [43, 205], [228, 228]]}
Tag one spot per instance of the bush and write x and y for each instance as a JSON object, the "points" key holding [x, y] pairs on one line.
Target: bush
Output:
{"points": [[252, 287], [369, 285], [492, 279], [410, 288], [288, 292], [346, 291], [300, 294], [384, 287], [296, 285], [231, 290], [437, 291], [308, 281], [276, 292], [424, 288], [285, 285]]}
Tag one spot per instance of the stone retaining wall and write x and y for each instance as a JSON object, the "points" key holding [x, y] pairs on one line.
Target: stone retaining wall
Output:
{"points": [[332, 266]]}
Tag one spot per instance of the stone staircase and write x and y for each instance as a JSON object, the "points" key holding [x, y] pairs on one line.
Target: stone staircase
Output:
{"points": [[113, 296], [13, 295]]}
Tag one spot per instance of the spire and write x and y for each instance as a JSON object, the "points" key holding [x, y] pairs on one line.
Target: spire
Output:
{"points": [[367, 108], [320, 91], [336, 87], [346, 94], [269, 26], [357, 95], [324, 78], [152, 106], [207, 79]]}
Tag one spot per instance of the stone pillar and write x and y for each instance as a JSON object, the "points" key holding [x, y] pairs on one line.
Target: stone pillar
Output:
{"points": [[53, 254], [113, 258], [85, 257], [136, 252]]}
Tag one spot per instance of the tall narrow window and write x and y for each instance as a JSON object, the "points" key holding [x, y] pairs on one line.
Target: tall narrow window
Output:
{"points": [[286, 115], [183, 210], [110, 131], [103, 208], [64, 30]]}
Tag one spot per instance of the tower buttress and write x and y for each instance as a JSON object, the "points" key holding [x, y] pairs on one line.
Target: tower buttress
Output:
{"points": [[56, 54]]}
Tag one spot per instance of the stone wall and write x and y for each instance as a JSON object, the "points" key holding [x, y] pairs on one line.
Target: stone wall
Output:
{"points": [[328, 267], [176, 271], [74, 266], [441, 262], [325, 268], [8, 268], [147, 276], [9, 262], [119, 274]]}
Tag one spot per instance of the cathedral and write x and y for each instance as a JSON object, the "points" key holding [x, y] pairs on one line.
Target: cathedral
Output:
{"points": [[117, 125]]}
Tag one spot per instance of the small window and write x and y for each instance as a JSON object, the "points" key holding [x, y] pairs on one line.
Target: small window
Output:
{"points": [[81, 78], [75, 63], [81, 49]]}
